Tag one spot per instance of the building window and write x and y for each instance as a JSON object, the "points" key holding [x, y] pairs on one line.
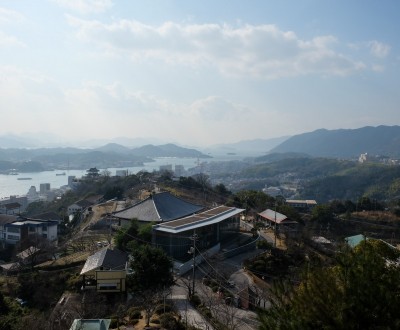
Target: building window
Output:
{"points": [[44, 228], [13, 237], [13, 229], [108, 286], [32, 229], [44, 235]]}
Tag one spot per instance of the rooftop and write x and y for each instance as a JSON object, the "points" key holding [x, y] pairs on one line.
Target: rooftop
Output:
{"points": [[106, 258], [194, 221], [273, 216], [5, 218], [160, 207], [88, 324], [302, 201]]}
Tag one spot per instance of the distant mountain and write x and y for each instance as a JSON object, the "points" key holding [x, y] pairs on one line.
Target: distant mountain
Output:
{"points": [[345, 143], [247, 147], [115, 147], [110, 155], [11, 141], [167, 150]]}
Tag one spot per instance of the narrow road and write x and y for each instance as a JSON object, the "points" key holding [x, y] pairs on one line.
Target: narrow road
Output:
{"points": [[188, 313]]}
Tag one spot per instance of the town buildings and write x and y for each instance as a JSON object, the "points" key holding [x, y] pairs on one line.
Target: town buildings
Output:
{"points": [[14, 229]]}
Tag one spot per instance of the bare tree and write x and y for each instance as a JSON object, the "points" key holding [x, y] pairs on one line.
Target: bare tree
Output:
{"points": [[34, 249], [148, 300], [220, 308]]}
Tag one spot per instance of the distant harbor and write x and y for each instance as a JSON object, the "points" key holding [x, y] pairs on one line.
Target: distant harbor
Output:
{"points": [[10, 186], [24, 179]]}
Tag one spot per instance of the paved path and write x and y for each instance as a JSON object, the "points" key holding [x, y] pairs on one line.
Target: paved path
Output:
{"points": [[188, 313]]}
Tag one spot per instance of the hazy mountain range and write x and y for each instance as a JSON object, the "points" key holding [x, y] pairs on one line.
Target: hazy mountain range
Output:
{"points": [[340, 143]]}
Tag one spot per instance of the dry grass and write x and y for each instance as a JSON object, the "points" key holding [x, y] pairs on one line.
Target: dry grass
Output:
{"points": [[376, 216], [69, 260]]}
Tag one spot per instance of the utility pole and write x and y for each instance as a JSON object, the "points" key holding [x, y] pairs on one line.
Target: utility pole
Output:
{"points": [[275, 224], [192, 250]]}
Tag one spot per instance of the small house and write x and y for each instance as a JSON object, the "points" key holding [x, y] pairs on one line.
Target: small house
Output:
{"points": [[105, 271]]}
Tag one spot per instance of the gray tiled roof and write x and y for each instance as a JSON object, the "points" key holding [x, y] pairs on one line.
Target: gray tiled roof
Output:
{"points": [[4, 219], [84, 203], [106, 258], [46, 216], [160, 207]]}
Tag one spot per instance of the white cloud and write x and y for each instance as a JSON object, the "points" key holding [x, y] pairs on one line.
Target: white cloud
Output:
{"points": [[379, 49], [115, 110], [10, 16], [7, 40], [378, 68], [216, 108], [85, 6], [261, 51]]}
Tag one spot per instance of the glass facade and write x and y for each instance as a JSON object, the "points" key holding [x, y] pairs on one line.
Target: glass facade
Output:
{"points": [[177, 245]]}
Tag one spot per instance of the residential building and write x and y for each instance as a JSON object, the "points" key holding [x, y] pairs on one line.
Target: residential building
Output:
{"points": [[21, 228], [79, 206], [10, 208], [302, 205], [5, 219], [32, 194], [166, 168], [105, 271], [50, 216], [272, 191], [275, 218], [179, 170], [44, 188], [21, 200], [121, 173]]}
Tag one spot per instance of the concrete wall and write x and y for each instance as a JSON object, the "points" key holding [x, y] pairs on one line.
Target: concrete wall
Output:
{"points": [[182, 268]]}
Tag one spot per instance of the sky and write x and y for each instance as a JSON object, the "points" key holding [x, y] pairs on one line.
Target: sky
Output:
{"points": [[197, 72]]}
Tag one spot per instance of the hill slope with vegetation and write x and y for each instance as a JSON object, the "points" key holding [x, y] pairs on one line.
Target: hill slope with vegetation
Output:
{"points": [[345, 143], [325, 179]]}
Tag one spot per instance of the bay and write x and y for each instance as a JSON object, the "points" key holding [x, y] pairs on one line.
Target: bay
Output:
{"points": [[10, 185]]}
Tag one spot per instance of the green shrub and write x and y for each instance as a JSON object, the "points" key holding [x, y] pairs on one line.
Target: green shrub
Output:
{"points": [[261, 244], [134, 313], [195, 300], [206, 312], [155, 321], [114, 323], [163, 308], [169, 321]]}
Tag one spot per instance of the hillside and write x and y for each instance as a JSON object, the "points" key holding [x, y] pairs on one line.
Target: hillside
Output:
{"points": [[325, 179], [345, 143]]}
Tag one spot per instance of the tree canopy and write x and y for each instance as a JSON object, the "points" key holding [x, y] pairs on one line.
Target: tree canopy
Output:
{"points": [[126, 234], [152, 269], [360, 291]]}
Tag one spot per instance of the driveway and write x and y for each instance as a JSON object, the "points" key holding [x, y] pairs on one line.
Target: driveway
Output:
{"points": [[188, 313]]}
